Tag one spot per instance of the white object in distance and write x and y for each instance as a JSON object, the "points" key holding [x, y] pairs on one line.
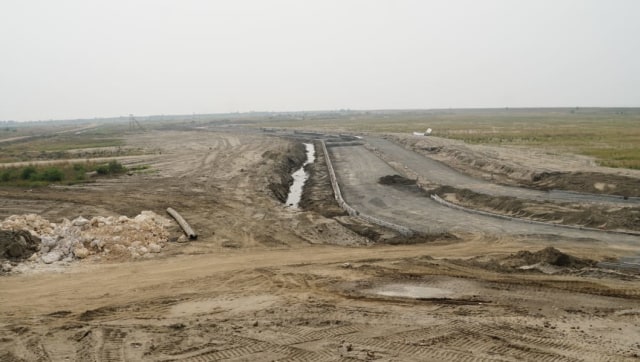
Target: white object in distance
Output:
{"points": [[429, 130]]}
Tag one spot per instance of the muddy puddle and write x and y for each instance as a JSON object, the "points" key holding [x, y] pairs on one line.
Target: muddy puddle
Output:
{"points": [[223, 304], [433, 288], [299, 178], [410, 291]]}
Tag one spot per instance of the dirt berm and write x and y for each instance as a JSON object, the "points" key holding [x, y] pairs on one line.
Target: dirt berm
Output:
{"points": [[590, 182], [526, 167], [317, 194], [594, 216], [519, 261]]}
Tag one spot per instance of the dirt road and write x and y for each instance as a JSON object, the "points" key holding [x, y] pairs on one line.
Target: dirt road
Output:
{"points": [[304, 304], [267, 283]]}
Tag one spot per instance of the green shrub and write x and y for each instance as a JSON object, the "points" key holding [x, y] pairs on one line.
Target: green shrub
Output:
{"points": [[102, 170], [5, 175], [28, 172], [66, 173], [52, 174], [113, 167]]}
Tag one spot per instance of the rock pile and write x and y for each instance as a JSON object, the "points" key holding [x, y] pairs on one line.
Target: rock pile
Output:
{"points": [[106, 236]]}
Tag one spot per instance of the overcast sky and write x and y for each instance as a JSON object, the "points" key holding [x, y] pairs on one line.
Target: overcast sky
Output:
{"points": [[83, 58]]}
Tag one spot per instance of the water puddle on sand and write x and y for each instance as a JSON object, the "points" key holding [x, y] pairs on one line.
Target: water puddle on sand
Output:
{"points": [[410, 291], [299, 178], [223, 304]]}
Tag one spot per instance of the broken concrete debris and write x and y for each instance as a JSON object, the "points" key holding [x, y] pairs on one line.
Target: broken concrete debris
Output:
{"points": [[32, 237]]}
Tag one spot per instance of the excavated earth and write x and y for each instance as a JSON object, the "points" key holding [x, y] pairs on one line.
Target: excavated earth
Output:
{"points": [[577, 192], [519, 166], [593, 216], [265, 282]]}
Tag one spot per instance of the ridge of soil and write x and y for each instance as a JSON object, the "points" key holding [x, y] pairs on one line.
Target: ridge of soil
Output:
{"points": [[317, 195], [515, 261], [513, 166], [593, 216]]}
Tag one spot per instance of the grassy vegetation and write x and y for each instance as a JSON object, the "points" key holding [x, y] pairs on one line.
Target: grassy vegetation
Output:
{"points": [[612, 136], [62, 147], [66, 173]]}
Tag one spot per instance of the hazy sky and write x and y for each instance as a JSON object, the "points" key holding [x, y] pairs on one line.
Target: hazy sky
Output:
{"points": [[84, 58]]}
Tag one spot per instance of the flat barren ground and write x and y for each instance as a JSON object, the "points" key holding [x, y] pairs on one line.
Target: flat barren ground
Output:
{"points": [[266, 282]]}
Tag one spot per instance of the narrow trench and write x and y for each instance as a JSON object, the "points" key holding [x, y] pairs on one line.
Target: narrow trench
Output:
{"points": [[299, 178]]}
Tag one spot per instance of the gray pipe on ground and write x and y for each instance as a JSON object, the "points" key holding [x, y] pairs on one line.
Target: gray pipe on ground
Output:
{"points": [[183, 224]]}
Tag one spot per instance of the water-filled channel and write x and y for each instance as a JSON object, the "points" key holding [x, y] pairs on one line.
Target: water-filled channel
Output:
{"points": [[300, 177]]}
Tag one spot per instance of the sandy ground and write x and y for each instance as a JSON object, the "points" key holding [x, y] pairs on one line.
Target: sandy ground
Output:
{"points": [[264, 282]]}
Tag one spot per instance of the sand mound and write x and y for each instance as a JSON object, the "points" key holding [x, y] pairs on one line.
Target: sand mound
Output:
{"points": [[548, 255]]}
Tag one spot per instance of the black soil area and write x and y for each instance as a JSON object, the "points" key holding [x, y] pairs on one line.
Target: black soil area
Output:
{"points": [[395, 180], [593, 216], [17, 245], [402, 183]]}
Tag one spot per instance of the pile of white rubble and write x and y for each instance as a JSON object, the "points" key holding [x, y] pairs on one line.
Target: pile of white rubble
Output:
{"points": [[80, 238]]}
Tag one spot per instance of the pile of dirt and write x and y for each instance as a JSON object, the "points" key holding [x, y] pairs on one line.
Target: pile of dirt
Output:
{"points": [[548, 255], [402, 183], [548, 260], [395, 180], [80, 238], [17, 245]]}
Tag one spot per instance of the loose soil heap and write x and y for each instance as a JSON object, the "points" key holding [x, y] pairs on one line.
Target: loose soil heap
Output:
{"points": [[548, 255], [548, 260], [17, 245], [402, 183], [395, 180]]}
